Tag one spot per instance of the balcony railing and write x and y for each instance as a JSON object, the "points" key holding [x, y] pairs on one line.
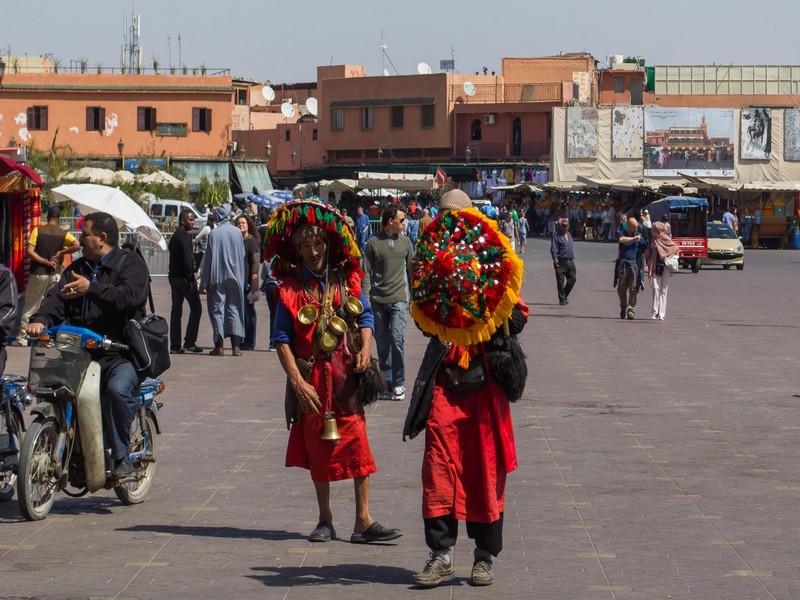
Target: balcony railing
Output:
{"points": [[508, 92]]}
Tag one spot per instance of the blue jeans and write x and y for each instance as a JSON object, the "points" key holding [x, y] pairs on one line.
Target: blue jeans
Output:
{"points": [[119, 407], [390, 330]]}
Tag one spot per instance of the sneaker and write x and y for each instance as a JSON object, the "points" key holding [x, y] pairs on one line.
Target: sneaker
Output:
{"points": [[654, 316], [621, 313], [481, 573], [178, 351], [123, 468], [563, 302], [631, 313], [438, 569], [194, 349], [660, 317], [399, 393]]}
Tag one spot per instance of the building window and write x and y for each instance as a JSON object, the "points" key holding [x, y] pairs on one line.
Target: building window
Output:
{"points": [[241, 97], [287, 135], [37, 118], [397, 117], [145, 118], [367, 117], [619, 84], [201, 119], [475, 131], [95, 118], [427, 116], [337, 119], [314, 134]]}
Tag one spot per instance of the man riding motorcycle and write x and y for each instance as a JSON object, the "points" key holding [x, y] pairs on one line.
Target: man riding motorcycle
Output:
{"points": [[102, 291]]}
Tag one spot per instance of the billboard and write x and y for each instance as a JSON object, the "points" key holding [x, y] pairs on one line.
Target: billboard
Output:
{"points": [[694, 141], [627, 130], [755, 134], [582, 123], [791, 134]]}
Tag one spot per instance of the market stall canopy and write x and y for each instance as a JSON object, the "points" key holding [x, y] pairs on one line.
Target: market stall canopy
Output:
{"points": [[595, 183], [707, 182], [251, 175], [91, 197], [517, 187], [772, 186], [10, 166], [159, 177], [401, 181], [564, 186], [337, 185]]}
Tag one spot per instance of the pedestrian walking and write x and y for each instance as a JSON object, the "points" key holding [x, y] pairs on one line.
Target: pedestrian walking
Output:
{"points": [[426, 219], [362, 228], [252, 259], [183, 287], [628, 274], [412, 225], [562, 250], [323, 334], [269, 287], [387, 262], [523, 234], [222, 278], [661, 248], [461, 401], [47, 246]]}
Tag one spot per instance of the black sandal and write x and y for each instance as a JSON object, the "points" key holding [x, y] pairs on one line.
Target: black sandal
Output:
{"points": [[375, 533], [323, 532]]}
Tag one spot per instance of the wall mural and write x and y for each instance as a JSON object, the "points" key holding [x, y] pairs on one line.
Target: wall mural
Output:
{"points": [[627, 131], [582, 124]]}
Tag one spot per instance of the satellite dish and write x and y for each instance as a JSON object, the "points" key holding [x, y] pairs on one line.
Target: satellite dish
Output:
{"points": [[469, 88], [287, 110], [268, 93], [386, 72], [424, 68], [312, 106]]}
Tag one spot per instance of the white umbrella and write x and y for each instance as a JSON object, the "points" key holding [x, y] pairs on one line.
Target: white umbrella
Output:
{"points": [[91, 197]]}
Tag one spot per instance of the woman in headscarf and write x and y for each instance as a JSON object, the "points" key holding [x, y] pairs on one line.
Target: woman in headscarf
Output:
{"points": [[222, 277], [661, 248], [323, 336], [252, 256]]}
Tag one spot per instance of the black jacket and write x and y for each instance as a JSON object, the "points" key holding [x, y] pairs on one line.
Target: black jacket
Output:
{"points": [[8, 310], [117, 294], [181, 256]]}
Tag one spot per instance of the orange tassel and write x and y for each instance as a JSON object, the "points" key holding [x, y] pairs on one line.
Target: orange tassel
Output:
{"points": [[464, 359]]}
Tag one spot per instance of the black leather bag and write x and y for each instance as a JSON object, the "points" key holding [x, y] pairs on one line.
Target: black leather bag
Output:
{"points": [[148, 339], [462, 381]]}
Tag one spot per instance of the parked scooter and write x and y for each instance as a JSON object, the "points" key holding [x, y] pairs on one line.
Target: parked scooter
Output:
{"points": [[14, 399], [63, 447]]}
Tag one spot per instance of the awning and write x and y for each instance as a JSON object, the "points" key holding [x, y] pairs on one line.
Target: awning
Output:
{"points": [[398, 181], [9, 166], [249, 175], [196, 170], [772, 186], [518, 187], [564, 186], [705, 182], [595, 183], [337, 185]]}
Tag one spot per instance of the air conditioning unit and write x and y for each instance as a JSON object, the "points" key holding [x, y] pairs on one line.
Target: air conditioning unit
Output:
{"points": [[489, 119]]}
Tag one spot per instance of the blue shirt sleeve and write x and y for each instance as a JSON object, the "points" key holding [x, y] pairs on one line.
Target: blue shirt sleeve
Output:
{"points": [[283, 332], [366, 320]]}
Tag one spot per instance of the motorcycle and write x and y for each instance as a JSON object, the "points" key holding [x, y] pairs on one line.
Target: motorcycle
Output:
{"points": [[63, 447], [14, 399]]}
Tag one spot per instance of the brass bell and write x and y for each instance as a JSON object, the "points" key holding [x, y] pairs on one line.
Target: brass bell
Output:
{"points": [[338, 325], [307, 314], [353, 306], [330, 432], [328, 341]]}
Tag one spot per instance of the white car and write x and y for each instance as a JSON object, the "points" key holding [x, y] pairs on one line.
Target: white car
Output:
{"points": [[163, 208]]}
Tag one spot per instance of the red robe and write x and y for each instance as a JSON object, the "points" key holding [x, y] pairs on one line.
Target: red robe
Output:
{"points": [[333, 379], [469, 450]]}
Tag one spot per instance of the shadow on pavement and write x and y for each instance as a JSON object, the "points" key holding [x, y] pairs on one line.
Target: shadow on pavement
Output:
{"points": [[221, 532], [332, 574]]}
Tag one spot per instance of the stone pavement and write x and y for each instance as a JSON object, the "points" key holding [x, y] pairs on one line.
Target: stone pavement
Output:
{"points": [[658, 460]]}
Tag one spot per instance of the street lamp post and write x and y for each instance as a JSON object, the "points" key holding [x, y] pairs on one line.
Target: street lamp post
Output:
{"points": [[468, 153], [268, 150]]}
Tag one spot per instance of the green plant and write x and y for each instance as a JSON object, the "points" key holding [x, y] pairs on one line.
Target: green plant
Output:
{"points": [[213, 193], [84, 62], [53, 164], [15, 65]]}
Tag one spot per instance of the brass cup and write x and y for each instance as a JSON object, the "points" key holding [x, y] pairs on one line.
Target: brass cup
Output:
{"points": [[338, 325], [353, 306], [328, 341], [307, 314]]}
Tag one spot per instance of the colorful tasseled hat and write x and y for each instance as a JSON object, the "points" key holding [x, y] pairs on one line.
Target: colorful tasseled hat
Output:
{"points": [[343, 251], [468, 280]]}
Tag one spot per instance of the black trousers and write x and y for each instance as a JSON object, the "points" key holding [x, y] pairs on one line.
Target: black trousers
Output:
{"points": [[441, 534], [565, 271], [184, 290]]}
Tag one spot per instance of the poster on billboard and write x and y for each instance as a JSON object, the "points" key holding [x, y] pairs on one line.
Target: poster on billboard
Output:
{"points": [[791, 134], [694, 141], [755, 134], [627, 128], [582, 125]]}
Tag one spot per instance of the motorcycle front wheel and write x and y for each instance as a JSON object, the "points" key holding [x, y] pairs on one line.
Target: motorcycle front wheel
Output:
{"points": [[36, 483], [135, 491], [8, 479]]}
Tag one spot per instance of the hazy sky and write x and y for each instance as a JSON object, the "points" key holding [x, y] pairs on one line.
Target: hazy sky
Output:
{"points": [[283, 41]]}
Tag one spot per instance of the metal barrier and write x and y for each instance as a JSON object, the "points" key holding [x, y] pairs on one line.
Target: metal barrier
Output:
{"points": [[157, 259]]}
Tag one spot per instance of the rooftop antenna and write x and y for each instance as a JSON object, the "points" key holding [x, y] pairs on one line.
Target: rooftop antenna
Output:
{"points": [[180, 52], [169, 46], [385, 56]]}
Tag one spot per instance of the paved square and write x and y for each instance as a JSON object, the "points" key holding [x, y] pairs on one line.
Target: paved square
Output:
{"points": [[658, 460]]}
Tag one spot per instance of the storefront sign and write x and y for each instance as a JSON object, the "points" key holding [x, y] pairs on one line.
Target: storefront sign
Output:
{"points": [[171, 129]]}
